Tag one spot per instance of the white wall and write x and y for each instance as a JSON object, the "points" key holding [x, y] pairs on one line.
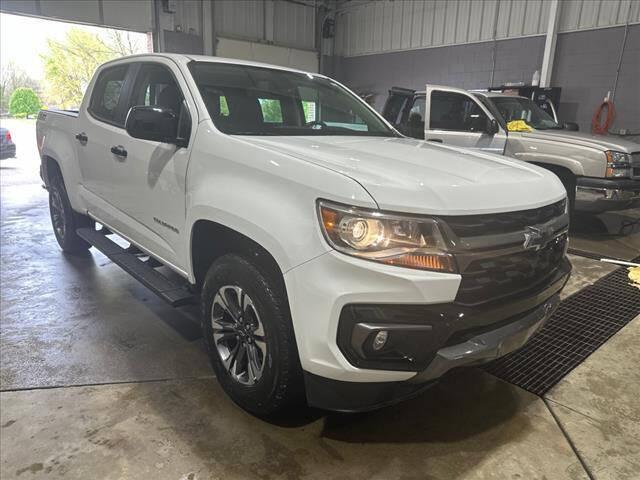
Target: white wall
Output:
{"points": [[371, 27], [135, 15], [259, 52], [273, 22]]}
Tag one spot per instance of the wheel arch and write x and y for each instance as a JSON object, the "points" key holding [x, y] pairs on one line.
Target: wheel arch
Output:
{"points": [[211, 240]]}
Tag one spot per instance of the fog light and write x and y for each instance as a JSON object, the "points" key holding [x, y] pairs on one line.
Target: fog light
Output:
{"points": [[380, 339]]}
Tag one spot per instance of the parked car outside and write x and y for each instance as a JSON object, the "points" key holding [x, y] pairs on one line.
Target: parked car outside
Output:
{"points": [[7, 147]]}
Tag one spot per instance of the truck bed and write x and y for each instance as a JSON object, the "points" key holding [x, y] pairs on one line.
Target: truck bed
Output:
{"points": [[69, 113]]}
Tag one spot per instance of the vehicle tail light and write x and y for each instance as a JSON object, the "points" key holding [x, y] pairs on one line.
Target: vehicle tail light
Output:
{"points": [[7, 136]]}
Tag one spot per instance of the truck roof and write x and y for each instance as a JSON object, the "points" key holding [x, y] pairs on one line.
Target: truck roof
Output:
{"points": [[186, 58], [480, 92]]}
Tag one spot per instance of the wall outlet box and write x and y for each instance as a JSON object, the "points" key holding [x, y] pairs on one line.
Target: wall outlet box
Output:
{"points": [[170, 6]]}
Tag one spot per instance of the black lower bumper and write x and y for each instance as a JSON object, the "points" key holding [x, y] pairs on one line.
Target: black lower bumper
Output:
{"points": [[606, 194], [458, 336]]}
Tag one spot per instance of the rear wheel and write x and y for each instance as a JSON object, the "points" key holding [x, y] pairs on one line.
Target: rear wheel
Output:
{"points": [[249, 336], [64, 219]]}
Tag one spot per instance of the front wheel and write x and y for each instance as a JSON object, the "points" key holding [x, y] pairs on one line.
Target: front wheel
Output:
{"points": [[249, 336], [64, 220]]}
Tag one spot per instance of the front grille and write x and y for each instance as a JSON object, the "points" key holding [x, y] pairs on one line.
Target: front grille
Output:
{"points": [[635, 164], [496, 223], [491, 278]]}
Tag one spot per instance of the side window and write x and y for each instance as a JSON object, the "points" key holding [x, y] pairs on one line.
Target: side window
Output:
{"points": [[156, 86], [106, 94], [455, 111], [271, 110]]}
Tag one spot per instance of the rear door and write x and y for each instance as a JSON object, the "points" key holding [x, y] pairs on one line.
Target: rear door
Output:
{"points": [[456, 117]]}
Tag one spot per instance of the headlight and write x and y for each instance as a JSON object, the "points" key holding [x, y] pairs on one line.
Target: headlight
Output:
{"points": [[618, 164], [406, 241]]}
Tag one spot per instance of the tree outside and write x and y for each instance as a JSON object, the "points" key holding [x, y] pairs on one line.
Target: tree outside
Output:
{"points": [[24, 102], [12, 77], [69, 64]]}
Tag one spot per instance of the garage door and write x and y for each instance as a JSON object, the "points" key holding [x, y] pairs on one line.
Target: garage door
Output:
{"points": [[259, 52]]}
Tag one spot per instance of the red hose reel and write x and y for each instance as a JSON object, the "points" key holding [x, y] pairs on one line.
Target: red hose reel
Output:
{"points": [[596, 125]]}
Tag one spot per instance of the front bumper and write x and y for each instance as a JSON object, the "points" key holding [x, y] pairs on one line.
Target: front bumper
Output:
{"points": [[598, 195], [353, 397], [321, 290]]}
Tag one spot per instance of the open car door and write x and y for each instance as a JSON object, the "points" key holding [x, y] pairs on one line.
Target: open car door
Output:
{"points": [[396, 104], [456, 117]]}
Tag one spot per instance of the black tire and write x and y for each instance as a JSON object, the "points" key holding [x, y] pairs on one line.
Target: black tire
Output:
{"points": [[280, 382], [64, 219]]}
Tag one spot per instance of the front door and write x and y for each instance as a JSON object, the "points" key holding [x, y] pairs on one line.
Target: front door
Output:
{"points": [[455, 117], [153, 189]]}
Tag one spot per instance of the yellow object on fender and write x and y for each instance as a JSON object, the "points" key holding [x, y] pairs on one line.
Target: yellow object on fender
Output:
{"points": [[518, 126]]}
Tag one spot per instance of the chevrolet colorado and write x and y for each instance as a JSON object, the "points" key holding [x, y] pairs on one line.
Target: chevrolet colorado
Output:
{"points": [[331, 257], [600, 173]]}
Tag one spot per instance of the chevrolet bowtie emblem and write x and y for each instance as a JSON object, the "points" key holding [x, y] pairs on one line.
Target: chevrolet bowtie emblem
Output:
{"points": [[533, 238]]}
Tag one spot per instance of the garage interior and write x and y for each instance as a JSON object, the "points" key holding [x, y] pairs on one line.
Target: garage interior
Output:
{"points": [[101, 379]]}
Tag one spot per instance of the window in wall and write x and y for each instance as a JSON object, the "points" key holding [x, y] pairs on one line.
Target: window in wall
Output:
{"points": [[455, 111]]}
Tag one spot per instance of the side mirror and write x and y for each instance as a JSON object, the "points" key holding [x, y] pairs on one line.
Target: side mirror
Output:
{"points": [[152, 123], [492, 126], [571, 126]]}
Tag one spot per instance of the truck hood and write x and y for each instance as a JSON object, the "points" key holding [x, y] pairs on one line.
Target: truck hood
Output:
{"points": [[599, 142], [407, 175]]}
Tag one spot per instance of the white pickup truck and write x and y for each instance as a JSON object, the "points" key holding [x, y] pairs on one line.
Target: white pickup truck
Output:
{"points": [[331, 256], [599, 172]]}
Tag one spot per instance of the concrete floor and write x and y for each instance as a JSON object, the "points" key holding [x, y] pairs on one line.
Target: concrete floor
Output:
{"points": [[100, 379]]}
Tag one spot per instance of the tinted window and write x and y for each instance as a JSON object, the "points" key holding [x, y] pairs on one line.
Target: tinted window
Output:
{"points": [[156, 86], [455, 111], [265, 101], [106, 94]]}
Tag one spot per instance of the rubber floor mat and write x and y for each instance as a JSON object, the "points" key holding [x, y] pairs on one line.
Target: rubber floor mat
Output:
{"points": [[581, 324]]}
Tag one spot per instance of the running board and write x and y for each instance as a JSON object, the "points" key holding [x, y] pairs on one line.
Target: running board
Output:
{"points": [[172, 293]]}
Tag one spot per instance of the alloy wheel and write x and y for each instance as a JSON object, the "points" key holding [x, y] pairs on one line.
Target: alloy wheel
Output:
{"points": [[238, 334], [57, 213]]}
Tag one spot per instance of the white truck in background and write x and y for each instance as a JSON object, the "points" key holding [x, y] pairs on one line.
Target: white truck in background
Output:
{"points": [[599, 172], [331, 257]]}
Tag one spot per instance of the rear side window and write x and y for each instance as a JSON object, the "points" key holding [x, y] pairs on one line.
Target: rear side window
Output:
{"points": [[106, 95], [455, 111]]}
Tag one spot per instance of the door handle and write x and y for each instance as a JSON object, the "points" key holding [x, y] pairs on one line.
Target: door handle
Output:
{"points": [[82, 138], [119, 151], [436, 140]]}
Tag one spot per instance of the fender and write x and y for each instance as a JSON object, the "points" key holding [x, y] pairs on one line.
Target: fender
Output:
{"points": [[581, 160], [263, 194], [59, 145]]}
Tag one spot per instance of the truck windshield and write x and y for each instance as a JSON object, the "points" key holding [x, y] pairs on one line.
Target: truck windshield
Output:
{"points": [[519, 108], [248, 100]]}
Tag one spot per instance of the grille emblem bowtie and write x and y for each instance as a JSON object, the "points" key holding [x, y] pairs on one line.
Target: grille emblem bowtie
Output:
{"points": [[533, 238]]}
